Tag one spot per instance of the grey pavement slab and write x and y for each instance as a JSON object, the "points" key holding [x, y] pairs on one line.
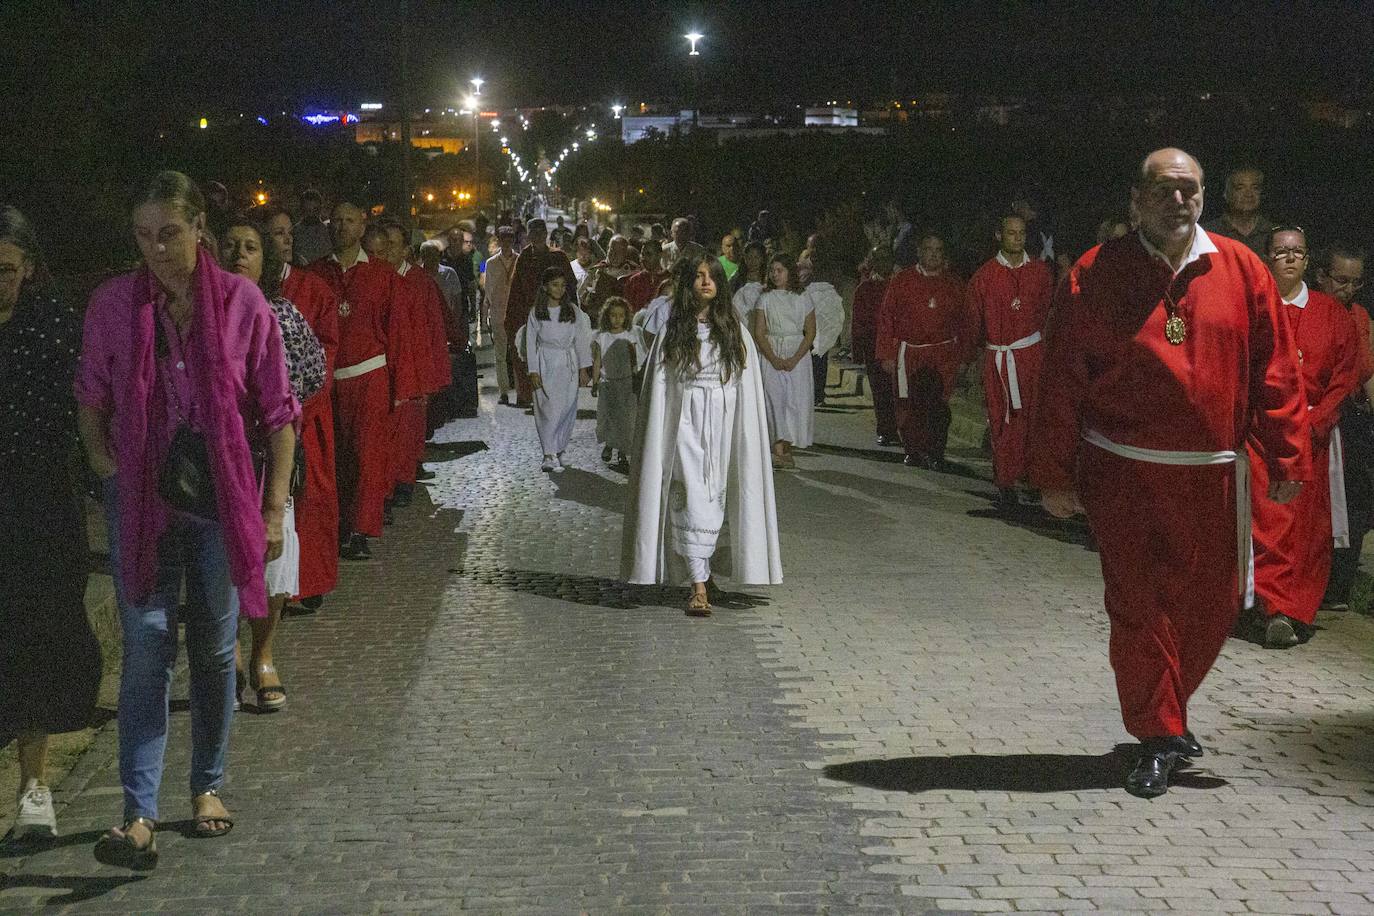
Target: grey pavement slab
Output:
{"points": [[920, 719]]}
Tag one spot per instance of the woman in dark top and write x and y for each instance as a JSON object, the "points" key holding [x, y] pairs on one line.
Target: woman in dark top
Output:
{"points": [[49, 658]]}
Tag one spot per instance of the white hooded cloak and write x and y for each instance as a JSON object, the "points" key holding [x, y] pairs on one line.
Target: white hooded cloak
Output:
{"points": [[647, 556]]}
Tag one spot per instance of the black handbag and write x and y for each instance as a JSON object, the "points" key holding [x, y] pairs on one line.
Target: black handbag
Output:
{"points": [[186, 482]]}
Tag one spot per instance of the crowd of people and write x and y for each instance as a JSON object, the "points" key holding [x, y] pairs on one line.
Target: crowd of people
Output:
{"points": [[254, 401]]}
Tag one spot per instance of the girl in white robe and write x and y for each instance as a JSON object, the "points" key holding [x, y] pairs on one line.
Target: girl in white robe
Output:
{"points": [[701, 448], [558, 352], [615, 357], [784, 329]]}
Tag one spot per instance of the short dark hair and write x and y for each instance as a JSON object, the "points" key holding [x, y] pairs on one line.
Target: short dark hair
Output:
{"points": [[1283, 227], [1337, 249], [313, 195], [16, 229], [505, 232], [372, 230]]}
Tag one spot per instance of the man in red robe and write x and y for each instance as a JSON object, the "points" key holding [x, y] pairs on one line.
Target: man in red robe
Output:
{"points": [[868, 299], [641, 287], [524, 287], [1293, 540], [317, 505], [1166, 351], [918, 344], [1008, 299], [368, 359], [427, 360], [1342, 276]]}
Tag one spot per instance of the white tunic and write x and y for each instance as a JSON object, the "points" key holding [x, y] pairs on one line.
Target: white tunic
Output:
{"points": [[616, 401], [828, 305], [746, 300], [556, 351], [701, 459], [791, 395]]}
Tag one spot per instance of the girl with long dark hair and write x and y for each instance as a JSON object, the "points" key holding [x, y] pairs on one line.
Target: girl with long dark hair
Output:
{"points": [[748, 280], [701, 447], [558, 352]]}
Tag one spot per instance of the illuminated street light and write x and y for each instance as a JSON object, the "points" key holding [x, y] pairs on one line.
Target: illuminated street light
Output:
{"points": [[477, 82], [616, 109], [694, 37]]}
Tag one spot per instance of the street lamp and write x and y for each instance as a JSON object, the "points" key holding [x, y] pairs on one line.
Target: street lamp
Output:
{"points": [[473, 103], [694, 37]]}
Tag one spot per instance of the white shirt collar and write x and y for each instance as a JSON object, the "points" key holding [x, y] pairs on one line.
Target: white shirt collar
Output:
{"points": [[1002, 259], [926, 273], [362, 256], [404, 268], [1202, 244], [1300, 298]]}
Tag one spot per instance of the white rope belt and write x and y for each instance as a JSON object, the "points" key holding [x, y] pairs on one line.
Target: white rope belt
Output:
{"points": [[901, 361], [362, 368], [1011, 388], [1244, 547]]}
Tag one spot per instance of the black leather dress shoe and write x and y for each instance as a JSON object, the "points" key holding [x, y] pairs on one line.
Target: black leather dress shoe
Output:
{"points": [[313, 603], [1194, 749], [1150, 777], [914, 461], [421, 473], [889, 440], [1281, 632], [355, 548]]}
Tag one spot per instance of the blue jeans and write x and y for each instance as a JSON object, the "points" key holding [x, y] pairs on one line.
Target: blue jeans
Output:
{"points": [[194, 550]]}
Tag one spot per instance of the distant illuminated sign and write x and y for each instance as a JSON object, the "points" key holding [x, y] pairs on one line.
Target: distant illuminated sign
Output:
{"points": [[319, 120], [371, 106]]}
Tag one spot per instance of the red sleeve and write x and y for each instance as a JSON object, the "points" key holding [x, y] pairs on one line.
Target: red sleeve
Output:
{"points": [[885, 337], [1277, 405], [403, 353], [323, 316], [1360, 318], [1345, 374], [1052, 445]]}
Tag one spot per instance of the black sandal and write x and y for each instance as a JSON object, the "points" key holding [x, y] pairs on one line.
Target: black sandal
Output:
{"points": [[117, 848], [200, 828]]}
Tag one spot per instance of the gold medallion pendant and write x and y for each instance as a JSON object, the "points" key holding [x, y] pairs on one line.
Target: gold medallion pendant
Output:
{"points": [[1175, 330]]}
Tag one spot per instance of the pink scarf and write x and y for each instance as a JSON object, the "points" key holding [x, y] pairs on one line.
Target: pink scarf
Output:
{"points": [[143, 516]]}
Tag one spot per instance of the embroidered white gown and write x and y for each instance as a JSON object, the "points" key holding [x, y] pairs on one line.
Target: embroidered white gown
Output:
{"points": [[791, 395], [557, 350]]}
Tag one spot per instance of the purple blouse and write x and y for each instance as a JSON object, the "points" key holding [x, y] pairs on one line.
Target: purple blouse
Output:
{"points": [[254, 341]]}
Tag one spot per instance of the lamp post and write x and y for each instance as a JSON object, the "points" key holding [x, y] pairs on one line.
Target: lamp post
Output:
{"points": [[477, 82], [692, 38]]}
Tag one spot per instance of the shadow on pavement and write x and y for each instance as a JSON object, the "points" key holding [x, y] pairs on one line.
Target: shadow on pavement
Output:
{"points": [[599, 591], [78, 889], [590, 489], [1004, 773], [1037, 521], [12, 849], [437, 452]]}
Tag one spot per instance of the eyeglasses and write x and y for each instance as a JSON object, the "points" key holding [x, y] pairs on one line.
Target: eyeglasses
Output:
{"points": [[1355, 283], [1283, 254]]}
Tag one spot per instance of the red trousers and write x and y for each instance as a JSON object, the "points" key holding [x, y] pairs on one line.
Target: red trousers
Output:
{"points": [[362, 426], [317, 505], [1293, 541], [1009, 433], [923, 416], [1167, 537], [883, 396], [407, 439]]}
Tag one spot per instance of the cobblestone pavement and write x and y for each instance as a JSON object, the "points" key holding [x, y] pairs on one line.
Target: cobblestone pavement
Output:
{"points": [[921, 719]]}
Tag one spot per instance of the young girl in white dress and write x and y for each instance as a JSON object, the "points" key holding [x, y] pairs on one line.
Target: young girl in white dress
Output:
{"points": [[701, 448], [784, 325], [615, 358], [558, 352]]}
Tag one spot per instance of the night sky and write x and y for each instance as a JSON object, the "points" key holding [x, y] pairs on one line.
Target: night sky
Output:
{"points": [[337, 53]]}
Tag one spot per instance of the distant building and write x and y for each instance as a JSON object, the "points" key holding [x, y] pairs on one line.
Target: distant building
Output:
{"points": [[832, 117]]}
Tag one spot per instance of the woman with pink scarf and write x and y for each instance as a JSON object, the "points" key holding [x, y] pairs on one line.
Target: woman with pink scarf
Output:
{"points": [[182, 343]]}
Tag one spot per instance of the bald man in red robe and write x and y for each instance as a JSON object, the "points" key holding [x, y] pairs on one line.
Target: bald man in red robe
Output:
{"points": [[1008, 300], [1166, 351], [317, 505], [368, 362], [918, 344], [1293, 541], [524, 288]]}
